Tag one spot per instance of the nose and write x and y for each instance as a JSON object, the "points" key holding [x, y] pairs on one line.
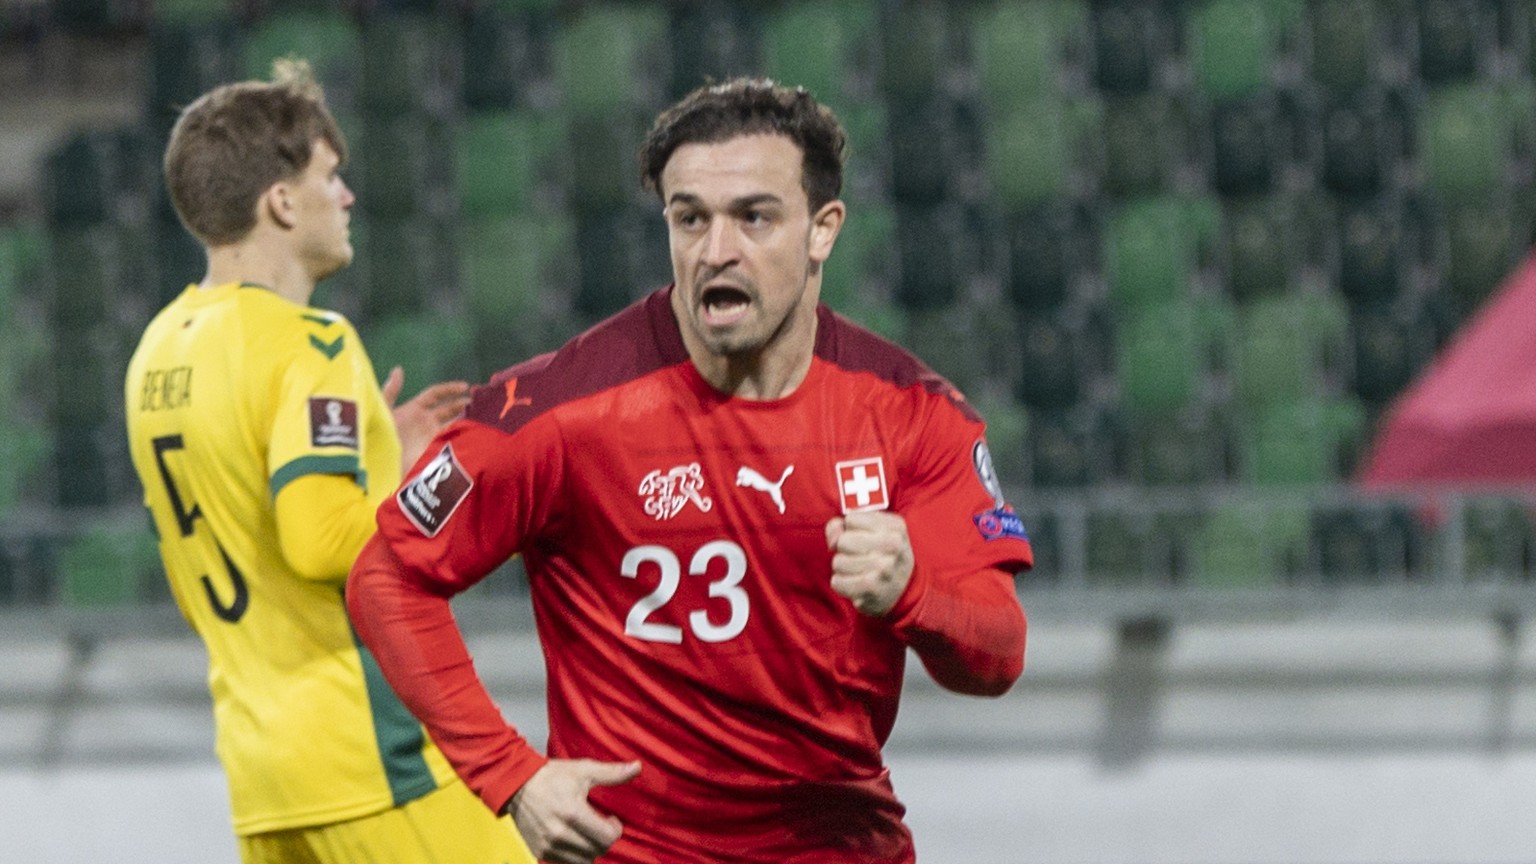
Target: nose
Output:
{"points": [[347, 198], [720, 246]]}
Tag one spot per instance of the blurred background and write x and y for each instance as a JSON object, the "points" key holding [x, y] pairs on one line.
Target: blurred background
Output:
{"points": [[1187, 256]]}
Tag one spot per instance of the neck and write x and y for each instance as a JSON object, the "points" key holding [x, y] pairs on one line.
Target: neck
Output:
{"points": [[249, 263]]}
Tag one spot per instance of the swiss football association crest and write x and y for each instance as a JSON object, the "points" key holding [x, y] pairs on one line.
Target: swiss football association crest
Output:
{"points": [[861, 484], [667, 493]]}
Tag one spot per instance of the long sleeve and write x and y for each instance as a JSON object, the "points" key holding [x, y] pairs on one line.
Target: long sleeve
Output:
{"points": [[323, 520], [968, 631], [412, 633]]}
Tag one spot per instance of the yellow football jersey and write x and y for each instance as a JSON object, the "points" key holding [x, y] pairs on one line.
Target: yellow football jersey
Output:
{"points": [[233, 393]]}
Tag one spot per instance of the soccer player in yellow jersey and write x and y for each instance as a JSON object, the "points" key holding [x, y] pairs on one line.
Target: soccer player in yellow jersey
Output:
{"points": [[264, 443]]}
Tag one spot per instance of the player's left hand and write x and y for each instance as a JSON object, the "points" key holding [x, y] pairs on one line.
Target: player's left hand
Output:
{"points": [[418, 421], [871, 559]]}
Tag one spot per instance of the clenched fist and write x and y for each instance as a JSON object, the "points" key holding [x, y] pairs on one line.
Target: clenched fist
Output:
{"points": [[871, 559]]}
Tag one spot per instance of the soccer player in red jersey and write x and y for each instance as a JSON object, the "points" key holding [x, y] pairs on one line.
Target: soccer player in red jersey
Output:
{"points": [[737, 511]]}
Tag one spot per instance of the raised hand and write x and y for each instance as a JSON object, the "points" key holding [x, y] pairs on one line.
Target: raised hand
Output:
{"points": [[421, 418]]}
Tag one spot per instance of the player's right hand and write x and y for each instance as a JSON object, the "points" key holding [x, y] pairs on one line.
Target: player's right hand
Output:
{"points": [[554, 817]]}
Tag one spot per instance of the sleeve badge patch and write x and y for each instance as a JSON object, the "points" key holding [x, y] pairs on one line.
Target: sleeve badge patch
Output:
{"points": [[332, 422], [981, 458], [999, 524], [432, 496]]}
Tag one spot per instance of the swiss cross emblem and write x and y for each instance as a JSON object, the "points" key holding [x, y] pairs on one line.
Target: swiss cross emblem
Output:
{"points": [[861, 482]]}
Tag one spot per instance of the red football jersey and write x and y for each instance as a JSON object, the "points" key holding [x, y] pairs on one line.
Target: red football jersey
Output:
{"points": [[674, 539]]}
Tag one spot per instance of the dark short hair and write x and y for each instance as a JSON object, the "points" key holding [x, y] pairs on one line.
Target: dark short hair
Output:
{"points": [[236, 140], [752, 106]]}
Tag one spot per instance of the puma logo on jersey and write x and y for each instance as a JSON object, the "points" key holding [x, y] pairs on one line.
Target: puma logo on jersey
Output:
{"points": [[752, 480]]}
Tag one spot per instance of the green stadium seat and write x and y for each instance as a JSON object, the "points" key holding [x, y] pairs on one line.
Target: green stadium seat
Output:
{"points": [[1184, 449], [1391, 344], [192, 11], [878, 315], [861, 256], [1048, 247], [924, 136], [1035, 149], [1146, 137], [1072, 448], [1484, 241], [954, 341], [399, 167], [1371, 237], [1232, 47], [501, 159], [712, 41], [27, 571], [1243, 544], [1307, 442], [1055, 360], [89, 268], [90, 465], [23, 458], [404, 264], [1153, 245], [805, 45], [521, 6], [186, 60], [1287, 347], [95, 17], [1007, 431], [604, 174], [1269, 239], [1498, 539], [1022, 48], [930, 255], [87, 174], [411, 65], [516, 286], [108, 567], [1131, 40], [1165, 354], [1248, 142], [327, 38], [1129, 547], [607, 55], [507, 264], [506, 55], [1464, 137], [429, 347], [915, 49], [179, 260], [1453, 35], [1363, 142], [607, 243], [1367, 543], [1345, 43]]}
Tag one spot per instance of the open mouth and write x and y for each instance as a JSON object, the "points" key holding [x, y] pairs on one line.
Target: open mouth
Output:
{"points": [[724, 304]]}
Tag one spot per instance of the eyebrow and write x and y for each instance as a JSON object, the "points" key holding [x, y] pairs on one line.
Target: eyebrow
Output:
{"points": [[742, 203]]}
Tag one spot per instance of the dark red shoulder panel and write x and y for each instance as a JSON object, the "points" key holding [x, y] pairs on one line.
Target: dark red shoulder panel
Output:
{"points": [[636, 341], [851, 347]]}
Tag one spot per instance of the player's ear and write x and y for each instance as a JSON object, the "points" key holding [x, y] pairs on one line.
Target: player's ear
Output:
{"points": [[276, 204], [825, 224]]}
